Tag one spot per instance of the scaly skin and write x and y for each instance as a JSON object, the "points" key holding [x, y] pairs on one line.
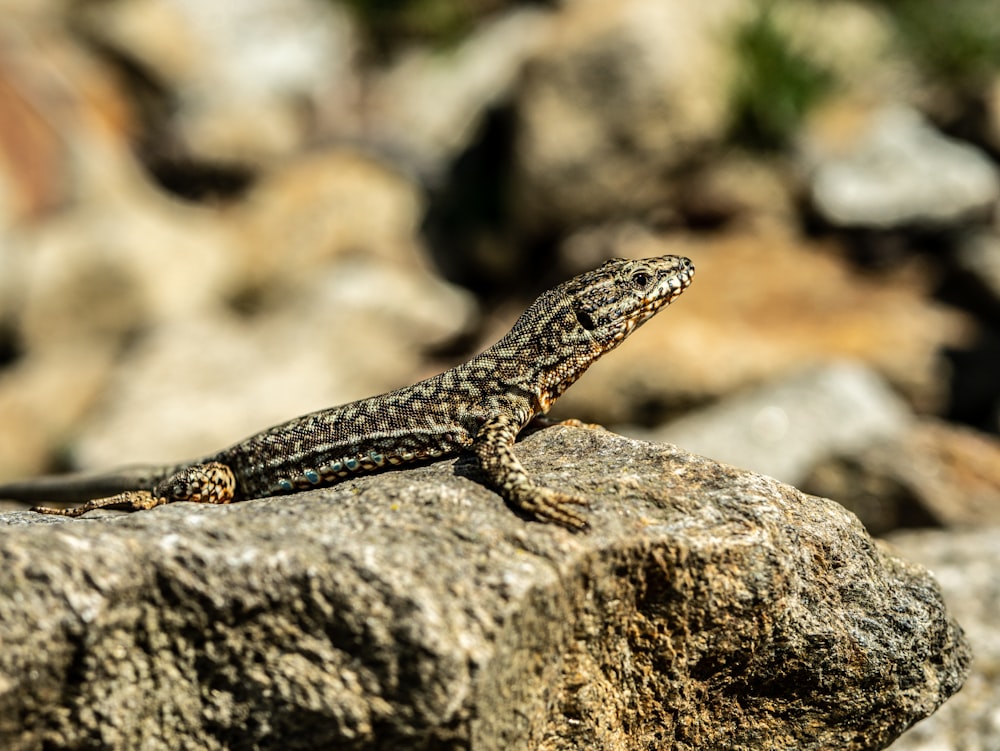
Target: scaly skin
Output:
{"points": [[479, 406]]}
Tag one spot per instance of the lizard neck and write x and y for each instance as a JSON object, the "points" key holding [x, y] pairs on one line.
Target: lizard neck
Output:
{"points": [[544, 353]]}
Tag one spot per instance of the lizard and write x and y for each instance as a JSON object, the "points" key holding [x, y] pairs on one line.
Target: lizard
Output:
{"points": [[478, 407]]}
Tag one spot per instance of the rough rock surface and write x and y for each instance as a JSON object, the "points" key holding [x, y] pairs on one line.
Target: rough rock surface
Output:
{"points": [[709, 608]]}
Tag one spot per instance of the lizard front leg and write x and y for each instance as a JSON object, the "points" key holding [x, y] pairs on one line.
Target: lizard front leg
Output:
{"points": [[494, 446], [200, 483]]}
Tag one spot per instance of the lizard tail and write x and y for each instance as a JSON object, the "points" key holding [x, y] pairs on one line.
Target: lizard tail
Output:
{"points": [[81, 487]]}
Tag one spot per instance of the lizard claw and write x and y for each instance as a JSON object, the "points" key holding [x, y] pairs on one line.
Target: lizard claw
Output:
{"points": [[547, 505]]}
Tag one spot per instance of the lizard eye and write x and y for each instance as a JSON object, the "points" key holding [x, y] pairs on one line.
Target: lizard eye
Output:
{"points": [[640, 279]]}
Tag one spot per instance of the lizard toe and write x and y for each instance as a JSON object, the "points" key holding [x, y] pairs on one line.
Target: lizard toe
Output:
{"points": [[551, 506]]}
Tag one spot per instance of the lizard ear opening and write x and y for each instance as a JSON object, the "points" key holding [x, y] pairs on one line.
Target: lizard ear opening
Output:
{"points": [[584, 319]]}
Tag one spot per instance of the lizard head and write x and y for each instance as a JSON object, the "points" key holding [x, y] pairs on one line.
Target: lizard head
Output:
{"points": [[614, 299]]}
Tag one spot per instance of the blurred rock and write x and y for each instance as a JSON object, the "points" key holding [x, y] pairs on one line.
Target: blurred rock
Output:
{"points": [[741, 189], [223, 321], [786, 427], [979, 257], [762, 306], [322, 259], [428, 105], [64, 121], [43, 398], [89, 286], [113, 267], [317, 209], [620, 95], [357, 328], [898, 170], [965, 564], [33, 159], [245, 81], [931, 474]]}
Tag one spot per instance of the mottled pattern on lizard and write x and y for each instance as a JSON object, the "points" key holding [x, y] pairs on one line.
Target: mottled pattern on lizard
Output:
{"points": [[479, 406]]}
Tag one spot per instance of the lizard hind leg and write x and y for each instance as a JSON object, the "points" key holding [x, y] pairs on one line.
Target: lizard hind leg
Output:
{"points": [[212, 482], [131, 499]]}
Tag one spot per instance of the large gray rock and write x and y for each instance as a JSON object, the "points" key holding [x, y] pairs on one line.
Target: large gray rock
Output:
{"points": [[709, 608], [620, 95], [784, 428], [429, 104], [247, 81], [900, 171], [932, 474]]}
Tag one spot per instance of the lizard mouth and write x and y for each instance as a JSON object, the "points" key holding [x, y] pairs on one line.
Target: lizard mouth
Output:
{"points": [[671, 288]]}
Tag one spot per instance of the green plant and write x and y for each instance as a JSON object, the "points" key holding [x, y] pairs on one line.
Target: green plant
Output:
{"points": [[957, 41], [776, 85], [440, 22]]}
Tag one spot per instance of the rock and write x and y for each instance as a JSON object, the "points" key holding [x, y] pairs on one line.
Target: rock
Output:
{"points": [[34, 173], [739, 188], [978, 256], [965, 563], [427, 106], [708, 608], [322, 208], [328, 263], [64, 123], [247, 81], [761, 307], [784, 428], [87, 286], [223, 322], [43, 396], [116, 266], [313, 351], [620, 95], [899, 171], [932, 473]]}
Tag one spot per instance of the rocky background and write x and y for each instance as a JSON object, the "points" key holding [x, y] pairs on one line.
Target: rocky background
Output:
{"points": [[215, 216]]}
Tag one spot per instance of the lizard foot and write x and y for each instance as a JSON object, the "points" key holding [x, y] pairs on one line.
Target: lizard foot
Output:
{"points": [[547, 505], [200, 483], [540, 422], [135, 500]]}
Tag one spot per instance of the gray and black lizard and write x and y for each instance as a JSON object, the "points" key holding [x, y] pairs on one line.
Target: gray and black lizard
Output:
{"points": [[479, 407]]}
